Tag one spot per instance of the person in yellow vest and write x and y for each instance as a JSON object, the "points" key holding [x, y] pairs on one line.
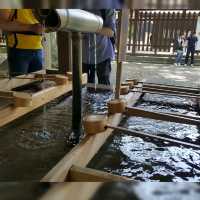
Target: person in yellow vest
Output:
{"points": [[24, 40]]}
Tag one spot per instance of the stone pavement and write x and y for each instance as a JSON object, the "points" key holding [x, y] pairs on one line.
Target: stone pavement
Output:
{"points": [[161, 73]]}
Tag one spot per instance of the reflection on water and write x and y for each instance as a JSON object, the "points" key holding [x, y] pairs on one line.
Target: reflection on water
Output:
{"points": [[150, 191], [28, 151], [149, 159], [97, 102]]}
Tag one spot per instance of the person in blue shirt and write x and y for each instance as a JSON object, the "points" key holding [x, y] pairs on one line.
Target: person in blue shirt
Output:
{"points": [[192, 41], [98, 49]]}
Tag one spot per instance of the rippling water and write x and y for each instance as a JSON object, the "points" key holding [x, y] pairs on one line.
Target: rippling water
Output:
{"points": [[28, 151], [150, 191], [152, 160]]}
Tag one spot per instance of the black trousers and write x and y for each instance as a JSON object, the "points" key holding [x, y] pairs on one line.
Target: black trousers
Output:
{"points": [[190, 51], [103, 72]]}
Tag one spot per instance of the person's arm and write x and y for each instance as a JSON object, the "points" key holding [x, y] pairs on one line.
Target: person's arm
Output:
{"points": [[105, 31], [12, 26], [109, 28]]}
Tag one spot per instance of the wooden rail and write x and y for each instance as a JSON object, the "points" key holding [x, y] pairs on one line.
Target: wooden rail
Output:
{"points": [[79, 174], [163, 139], [137, 112]]}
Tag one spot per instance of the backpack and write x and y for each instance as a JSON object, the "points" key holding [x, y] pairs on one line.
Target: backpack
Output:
{"points": [[112, 39]]}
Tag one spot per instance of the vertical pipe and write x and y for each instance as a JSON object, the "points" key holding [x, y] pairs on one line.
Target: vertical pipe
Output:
{"points": [[64, 40], [77, 85], [69, 47], [118, 79]]}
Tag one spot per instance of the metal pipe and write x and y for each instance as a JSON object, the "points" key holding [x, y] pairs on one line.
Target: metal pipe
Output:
{"points": [[70, 19], [77, 86]]}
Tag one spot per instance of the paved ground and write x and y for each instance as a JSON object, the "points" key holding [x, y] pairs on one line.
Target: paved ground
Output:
{"points": [[161, 73], [157, 73], [3, 64]]}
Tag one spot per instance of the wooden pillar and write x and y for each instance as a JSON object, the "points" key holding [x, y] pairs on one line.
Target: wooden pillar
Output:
{"points": [[136, 18], [122, 44], [77, 85]]}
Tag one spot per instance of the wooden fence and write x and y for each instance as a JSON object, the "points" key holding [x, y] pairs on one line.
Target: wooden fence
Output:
{"points": [[153, 32]]}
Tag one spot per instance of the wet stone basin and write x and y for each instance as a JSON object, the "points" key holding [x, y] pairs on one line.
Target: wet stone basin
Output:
{"points": [[148, 159]]}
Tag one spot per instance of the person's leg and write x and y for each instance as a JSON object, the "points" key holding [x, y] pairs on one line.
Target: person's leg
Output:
{"points": [[103, 72], [36, 63], [18, 61], [192, 57], [187, 56], [90, 70], [181, 57], [177, 58]]}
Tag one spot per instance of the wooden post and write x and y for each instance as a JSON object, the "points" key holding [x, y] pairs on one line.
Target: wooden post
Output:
{"points": [[77, 85], [135, 31], [122, 41]]}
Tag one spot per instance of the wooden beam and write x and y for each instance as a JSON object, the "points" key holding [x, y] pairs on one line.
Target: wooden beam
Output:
{"points": [[6, 94], [79, 174], [122, 40], [83, 153], [7, 84], [132, 111], [172, 88], [185, 116], [150, 89], [144, 135], [72, 191], [171, 94]]}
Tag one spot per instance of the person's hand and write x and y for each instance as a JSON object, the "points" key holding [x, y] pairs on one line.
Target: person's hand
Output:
{"points": [[37, 28]]}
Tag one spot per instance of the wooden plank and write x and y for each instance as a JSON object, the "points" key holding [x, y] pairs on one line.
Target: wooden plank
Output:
{"points": [[191, 95], [130, 30], [72, 191], [83, 153], [6, 94], [11, 113], [79, 174], [135, 33], [171, 87], [185, 116], [122, 43], [168, 94], [149, 32], [165, 30], [144, 135], [7, 84], [144, 42], [123, 34], [137, 112], [140, 29]]}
